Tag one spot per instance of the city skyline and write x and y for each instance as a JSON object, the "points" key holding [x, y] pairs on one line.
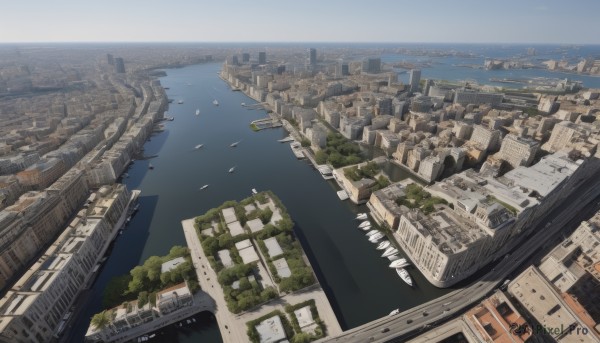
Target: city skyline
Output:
{"points": [[543, 22]]}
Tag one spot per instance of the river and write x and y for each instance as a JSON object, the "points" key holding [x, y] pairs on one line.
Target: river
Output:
{"points": [[358, 282]]}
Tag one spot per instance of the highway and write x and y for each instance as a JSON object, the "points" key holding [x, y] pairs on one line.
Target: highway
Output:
{"points": [[579, 206]]}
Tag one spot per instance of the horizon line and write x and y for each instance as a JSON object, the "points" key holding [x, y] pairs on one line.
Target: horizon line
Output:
{"points": [[296, 42]]}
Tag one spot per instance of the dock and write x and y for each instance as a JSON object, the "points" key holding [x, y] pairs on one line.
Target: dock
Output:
{"points": [[265, 123], [297, 150]]}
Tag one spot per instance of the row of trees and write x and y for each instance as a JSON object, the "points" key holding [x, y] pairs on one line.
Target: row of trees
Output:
{"points": [[148, 278]]}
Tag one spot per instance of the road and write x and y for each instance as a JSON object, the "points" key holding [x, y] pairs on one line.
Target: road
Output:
{"points": [[576, 208]]}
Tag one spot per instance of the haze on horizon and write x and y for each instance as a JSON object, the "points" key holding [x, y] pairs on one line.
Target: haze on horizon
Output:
{"points": [[434, 21]]}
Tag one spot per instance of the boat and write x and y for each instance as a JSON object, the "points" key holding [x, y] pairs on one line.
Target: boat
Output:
{"points": [[152, 335], [376, 237], [404, 276], [389, 251], [394, 312], [361, 216], [286, 139], [232, 169], [393, 257], [170, 118], [150, 166], [197, 111], [234, 144], [215, 102], [194, 320], [204, 187], [383, 245], [363, 224], [198, 146], [342, 195], [180, 102], [366, 228], [254, 191], [371, 233], [399, 263], [243, 104]]}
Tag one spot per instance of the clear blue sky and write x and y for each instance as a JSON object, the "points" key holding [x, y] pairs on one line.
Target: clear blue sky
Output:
{"points": [[470, 21]]}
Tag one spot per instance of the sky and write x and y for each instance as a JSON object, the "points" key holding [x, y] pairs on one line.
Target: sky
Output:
{"points": [[435, 21]]}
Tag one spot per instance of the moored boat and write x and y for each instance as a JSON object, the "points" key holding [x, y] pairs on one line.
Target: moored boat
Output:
{"points": [[389, 251], [361, 216], [366, 228], [376, 237], [204, 187], [371, 233], [394, 312], [383, 245], [399, 263], [404, 276], [363, 224]]}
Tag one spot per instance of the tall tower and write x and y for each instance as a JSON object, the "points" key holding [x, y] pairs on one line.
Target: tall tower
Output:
{"points": [[312, 56], [119, 65], [415, 78], [110, 59], [262, 57]]}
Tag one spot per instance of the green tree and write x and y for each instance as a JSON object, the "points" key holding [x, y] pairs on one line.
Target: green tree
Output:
{"points": [[142, 298], [102, 319], [321, 157]]}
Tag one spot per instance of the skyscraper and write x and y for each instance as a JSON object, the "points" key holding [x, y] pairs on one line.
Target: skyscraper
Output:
{"points": [[110, 59], [245, 57], [312, 56], [371, 65], [119, 65], [415, 78], [262, 57]]}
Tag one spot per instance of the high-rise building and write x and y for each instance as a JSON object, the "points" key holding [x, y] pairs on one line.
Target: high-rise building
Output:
{"points": [[245, 57], [119, 65], [371, 65], [312, 56], [110, 59], [518, 151], [345, 69], [415, 78], [262, 57]]}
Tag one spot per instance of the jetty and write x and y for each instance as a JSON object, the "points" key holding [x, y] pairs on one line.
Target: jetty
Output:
{"points": [[265, 123]]}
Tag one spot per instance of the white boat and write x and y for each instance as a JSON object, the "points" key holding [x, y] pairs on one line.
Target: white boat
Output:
{"points": [[204, 187], [394, 312], [234, 144], [342, 195], [399, 263], [198, 146], [361, 216], [393, 257], [243, 104], [180, 102], [363, 224], [376, 237], [215, 102], [371, 233], [389, 251], [286, 139], [197, 111], [383, 245], [254, 191], [366, 228], [232, 169], [404, 276]]}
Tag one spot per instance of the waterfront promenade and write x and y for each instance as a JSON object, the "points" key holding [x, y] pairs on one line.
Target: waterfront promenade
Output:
{"points": [[233, 327]]}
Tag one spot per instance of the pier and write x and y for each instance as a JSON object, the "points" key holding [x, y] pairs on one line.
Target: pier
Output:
{"points": [[265, 123]]}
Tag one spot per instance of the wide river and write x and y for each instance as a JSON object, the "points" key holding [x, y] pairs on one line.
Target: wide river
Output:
{"points": [[358, 282]]}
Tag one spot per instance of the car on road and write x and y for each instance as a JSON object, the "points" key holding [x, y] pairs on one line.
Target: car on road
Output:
{"points": [[425, 314], [409, 321], [385, 330]]}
